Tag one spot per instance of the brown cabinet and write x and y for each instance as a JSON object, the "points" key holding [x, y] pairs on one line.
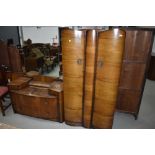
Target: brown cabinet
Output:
{"points": [[10, 57], [73, 51], [36, 99], [4, 55], [92, 62], [138, 45], [108, 67], [35, 102]]}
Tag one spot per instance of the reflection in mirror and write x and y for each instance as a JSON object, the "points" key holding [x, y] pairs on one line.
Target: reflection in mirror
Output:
{"points": [[41, 50]]}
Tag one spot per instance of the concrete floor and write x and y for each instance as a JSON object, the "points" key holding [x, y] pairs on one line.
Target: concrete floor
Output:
{"points": [[146, 119]]}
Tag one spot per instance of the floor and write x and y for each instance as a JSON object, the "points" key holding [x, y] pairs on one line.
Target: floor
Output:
{"points": [[146, 119]]}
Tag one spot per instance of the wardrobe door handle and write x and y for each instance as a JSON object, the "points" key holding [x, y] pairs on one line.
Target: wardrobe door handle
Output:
{"points": [[79, 61], [100, 63]]}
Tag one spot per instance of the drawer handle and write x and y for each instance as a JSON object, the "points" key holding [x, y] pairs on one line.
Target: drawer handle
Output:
{"points": [[79, 61], [100, 63]]}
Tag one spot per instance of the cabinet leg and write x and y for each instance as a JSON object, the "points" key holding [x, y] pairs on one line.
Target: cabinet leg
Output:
{"points": [[136, 116]]}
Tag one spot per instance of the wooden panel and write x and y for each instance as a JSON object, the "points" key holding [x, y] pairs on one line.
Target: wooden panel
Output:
{"points": [[107, 76], [109, 72], [43, 78], [73, 51], [72, 100], [132, 75], [48, 108], [35, 106], [100, 121], [4, 56], [128, 100], [89, 77], [72, 68], [15, 59], [137, 45], [105, 89], [73, 85], [73, 117]]}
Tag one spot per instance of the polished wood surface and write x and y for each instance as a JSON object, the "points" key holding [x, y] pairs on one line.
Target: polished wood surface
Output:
{"points": [[89, 76], [4, 55], [40, 84], [73, 50], [132, 75], [57, 89], [138, 45], [15, 59], [110, 49], [128, 100], [10, 57], [19, 83], [35, 102], [44, 78], [38, 101]]}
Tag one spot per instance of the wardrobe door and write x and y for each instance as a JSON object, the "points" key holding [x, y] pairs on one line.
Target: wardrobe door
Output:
{"points": [[89, 76], [138, 45], [109, 59], [132, 75], [73, 50]]}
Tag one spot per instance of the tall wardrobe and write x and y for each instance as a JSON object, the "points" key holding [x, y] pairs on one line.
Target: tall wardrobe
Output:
{"points": [[91, 69], [137, 53], [73, 59], [10, 57], [104, 71]]}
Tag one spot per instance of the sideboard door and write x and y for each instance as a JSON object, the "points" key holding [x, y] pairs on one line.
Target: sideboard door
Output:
{"points": [[110, 47], [73, 51]]}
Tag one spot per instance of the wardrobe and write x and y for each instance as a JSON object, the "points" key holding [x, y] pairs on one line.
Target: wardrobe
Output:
{"points": [[73, 60], [138, 46], [91, 69], [10, 57]]}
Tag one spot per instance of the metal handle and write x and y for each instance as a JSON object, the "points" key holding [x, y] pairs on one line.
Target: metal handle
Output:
{"points": [[100, 63], [79, 61]]}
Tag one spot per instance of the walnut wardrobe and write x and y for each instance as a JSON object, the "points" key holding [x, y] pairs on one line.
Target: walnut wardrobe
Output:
{"points": [[137, 54], [91, 69]]}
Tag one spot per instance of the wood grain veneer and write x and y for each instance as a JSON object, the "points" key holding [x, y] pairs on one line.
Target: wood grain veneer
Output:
{"points": [[89, 76], [110, 47], [138, 46], [73, 52]]}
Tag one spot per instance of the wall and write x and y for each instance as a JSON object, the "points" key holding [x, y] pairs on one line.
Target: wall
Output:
{"points": [[7, 32], [42, 34]]}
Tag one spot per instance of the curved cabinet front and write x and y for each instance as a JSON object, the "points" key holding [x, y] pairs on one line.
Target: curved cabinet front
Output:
{"points": [[110, 47], [89, 77], [73, 51]]}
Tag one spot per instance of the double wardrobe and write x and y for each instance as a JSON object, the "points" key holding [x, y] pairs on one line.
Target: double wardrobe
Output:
{"points": [[103, 71]]}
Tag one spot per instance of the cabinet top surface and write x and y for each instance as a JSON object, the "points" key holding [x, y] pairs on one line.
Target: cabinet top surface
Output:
{"points": [[34, 91]]}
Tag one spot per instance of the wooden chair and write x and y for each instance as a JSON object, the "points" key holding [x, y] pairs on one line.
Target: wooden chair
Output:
{"points": [[3, 92]]}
